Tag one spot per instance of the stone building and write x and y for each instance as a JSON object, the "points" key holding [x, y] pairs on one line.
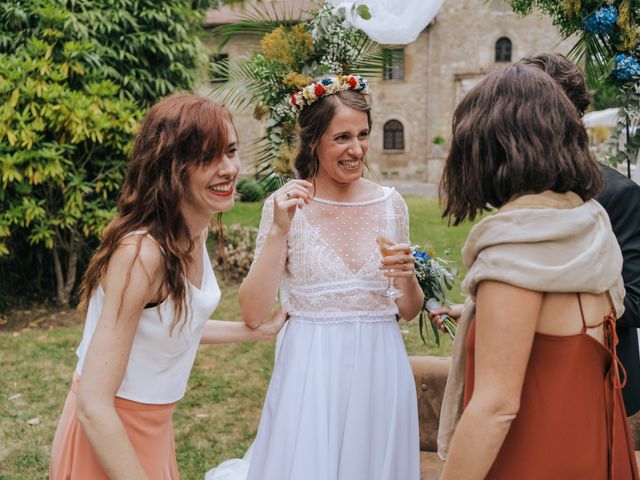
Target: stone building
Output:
{"points": [[414, 102]]}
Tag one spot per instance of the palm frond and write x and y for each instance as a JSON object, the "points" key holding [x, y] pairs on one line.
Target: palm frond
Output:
{"points": [[261, 154], [370, 58], [242, 87], [592, 52]]}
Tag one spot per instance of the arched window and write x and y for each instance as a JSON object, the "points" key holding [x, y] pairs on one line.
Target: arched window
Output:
{"points": [[503, 50], [393, 135]]}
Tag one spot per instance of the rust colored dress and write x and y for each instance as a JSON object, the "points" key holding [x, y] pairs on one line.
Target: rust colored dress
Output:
{"points": [[572, 423]]}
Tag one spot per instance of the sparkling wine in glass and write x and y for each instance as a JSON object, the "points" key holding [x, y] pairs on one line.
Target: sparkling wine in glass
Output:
{"points": [[388, 234]]}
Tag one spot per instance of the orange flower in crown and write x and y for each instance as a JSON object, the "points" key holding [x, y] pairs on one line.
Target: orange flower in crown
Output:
{"points": [[327, 86]]}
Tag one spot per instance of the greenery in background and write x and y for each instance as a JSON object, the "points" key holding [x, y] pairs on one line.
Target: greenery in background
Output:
{"points": [[252, 190], [65, 135], [628, 127], [607, 95], [609, 47], [218, 417], [217, 3], [75, 76], [292, 53], [234, 260]]}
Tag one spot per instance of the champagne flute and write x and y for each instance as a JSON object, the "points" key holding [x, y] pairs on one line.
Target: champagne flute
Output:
{"points": [[388, 234]]}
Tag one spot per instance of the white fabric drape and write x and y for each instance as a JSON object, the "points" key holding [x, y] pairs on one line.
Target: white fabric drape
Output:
{"points": [[393, 21]]}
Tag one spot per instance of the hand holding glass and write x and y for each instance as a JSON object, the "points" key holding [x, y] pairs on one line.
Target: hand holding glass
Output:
{"points": [[388, 235]]}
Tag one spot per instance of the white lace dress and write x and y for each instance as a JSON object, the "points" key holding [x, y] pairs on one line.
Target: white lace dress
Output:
{"points": [[341, 404]]}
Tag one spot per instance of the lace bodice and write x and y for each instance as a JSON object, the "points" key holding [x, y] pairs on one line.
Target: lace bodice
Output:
{"points": [[332, 268]]}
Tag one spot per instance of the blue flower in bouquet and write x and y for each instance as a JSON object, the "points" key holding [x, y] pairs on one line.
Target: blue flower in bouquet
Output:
{"points": [[601, 21], [627, 67], [420, 255], [435, 276]]}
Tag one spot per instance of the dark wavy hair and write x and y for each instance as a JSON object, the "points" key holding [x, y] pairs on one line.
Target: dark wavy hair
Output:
{"points": [[514, 133], [313, 122], [570, 77], [180, 132]]}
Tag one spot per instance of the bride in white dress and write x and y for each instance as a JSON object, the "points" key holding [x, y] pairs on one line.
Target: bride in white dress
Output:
{"points": [[341, 404]]}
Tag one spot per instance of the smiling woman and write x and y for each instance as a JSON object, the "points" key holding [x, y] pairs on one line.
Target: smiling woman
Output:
{"points": [[148, 293], [211, 184], [342, 150], [342, 348]]}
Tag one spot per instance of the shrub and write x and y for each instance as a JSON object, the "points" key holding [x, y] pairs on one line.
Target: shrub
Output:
{"points": [[239, 246], [252, 190], [75, 77], [249, 190]]}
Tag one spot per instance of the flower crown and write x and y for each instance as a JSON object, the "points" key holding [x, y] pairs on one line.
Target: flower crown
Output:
{"points": [[327, 86]]}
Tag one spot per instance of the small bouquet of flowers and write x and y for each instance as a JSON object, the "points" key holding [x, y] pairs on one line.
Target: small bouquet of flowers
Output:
{"points": [[435, 276]]}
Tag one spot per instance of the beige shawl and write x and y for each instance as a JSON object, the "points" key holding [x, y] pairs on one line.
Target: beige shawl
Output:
{"points": [[547, 242]]}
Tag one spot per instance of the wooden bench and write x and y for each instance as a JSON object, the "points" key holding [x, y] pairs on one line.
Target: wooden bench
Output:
{"points": [[430, 375]]}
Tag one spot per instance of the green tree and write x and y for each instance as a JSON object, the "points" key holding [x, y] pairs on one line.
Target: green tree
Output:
{"points": [[75, 77], [65, 135]]}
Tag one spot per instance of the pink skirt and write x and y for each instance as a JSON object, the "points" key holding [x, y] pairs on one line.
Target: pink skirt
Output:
{"points": [[150, 430]]}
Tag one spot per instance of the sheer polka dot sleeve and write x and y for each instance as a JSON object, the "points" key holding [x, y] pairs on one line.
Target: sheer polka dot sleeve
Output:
{"points": [[400, 207], [265, 225]]}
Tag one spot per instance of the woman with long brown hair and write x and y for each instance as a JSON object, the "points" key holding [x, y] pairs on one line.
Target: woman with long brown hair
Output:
{"points": [[534, 363], [148, 293]]}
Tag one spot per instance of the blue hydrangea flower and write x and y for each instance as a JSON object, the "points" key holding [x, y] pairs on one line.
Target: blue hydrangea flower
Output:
{"points": [[627, 67], [601, 21], [326, 82], [418, 255]]}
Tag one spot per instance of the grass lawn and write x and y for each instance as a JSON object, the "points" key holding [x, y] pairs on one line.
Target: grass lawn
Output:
{"points": [[219, 415]]}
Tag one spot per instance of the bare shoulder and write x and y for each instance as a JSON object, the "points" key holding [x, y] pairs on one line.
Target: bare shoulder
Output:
{"points": [[138, 257], [142, 249]]}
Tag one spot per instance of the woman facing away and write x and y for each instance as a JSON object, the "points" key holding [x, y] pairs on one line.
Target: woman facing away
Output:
{"points": [[534, 361], [149, 292], [341, 404]]}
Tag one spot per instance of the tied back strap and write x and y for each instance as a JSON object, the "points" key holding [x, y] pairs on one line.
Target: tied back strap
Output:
{"points": [[613, 375], [584, 322], [610, 339]]}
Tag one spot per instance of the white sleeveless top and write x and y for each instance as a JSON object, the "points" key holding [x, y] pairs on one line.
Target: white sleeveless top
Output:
{"points": [[160, 361]]}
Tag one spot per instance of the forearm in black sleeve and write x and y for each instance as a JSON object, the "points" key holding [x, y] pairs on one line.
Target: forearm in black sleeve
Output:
{"points": [[624, 212]]}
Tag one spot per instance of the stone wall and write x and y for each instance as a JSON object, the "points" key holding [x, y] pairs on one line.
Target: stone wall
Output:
{"points": [[462, 51], [248, 127]]}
